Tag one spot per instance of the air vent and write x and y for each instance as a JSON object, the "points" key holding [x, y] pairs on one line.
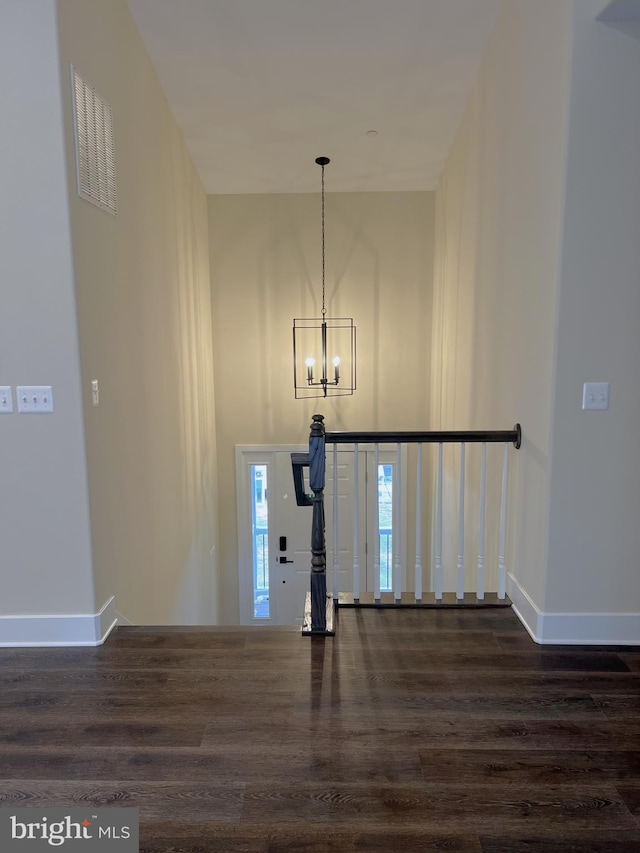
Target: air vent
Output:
{"points": [[95, 152]]}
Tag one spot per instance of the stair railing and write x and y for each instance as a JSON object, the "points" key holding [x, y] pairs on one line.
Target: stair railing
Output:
{"points": [[319, 607]]}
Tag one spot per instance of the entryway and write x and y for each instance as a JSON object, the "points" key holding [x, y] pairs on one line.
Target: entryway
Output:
{"points": [[274, 532]]}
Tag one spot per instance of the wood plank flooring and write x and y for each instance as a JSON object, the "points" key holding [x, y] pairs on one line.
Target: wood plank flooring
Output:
{"points": [[411, 730]]}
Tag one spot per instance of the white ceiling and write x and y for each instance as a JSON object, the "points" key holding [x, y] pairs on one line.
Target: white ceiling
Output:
{"points": [[260, 88]]}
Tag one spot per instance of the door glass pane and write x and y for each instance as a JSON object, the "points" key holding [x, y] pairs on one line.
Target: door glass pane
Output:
{"points": [[260, 539], [385, 525]]}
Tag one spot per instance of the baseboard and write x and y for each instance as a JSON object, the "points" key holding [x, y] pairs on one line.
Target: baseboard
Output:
{"points": [[575, 629], [59, 630], [524, 607]]}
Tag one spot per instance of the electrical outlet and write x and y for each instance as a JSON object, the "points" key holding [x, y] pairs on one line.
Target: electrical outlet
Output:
{"points": [[34, 399], [6, 399], [95, 393]]}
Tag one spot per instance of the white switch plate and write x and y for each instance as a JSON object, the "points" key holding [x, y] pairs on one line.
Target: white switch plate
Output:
{"points": [[34, 399], [6, 399], [95, 393], [595, 396]]}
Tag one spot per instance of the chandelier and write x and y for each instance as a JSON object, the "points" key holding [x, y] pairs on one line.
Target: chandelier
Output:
{"points": [[324, 348]]}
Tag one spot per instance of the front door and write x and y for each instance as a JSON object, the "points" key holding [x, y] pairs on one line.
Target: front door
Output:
{"points": [[274, 533]]}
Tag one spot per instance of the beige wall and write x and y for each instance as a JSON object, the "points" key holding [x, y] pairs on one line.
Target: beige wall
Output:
{"points": [[143, 302], [594, 548], [45, 562], [266, 270], [498, 237]]}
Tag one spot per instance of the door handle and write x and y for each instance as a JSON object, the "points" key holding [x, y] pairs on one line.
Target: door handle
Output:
{"points": [[283, 560]]}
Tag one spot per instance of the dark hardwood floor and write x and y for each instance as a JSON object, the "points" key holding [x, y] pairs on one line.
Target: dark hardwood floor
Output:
{"points": [[412, 730]]}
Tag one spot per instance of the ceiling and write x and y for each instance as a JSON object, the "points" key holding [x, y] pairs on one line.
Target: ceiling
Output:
{"points": [[260, 88]]}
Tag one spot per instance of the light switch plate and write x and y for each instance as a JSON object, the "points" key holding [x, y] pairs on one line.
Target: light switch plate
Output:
{"points": [[34, 399], [6, 399], [595, 396]]}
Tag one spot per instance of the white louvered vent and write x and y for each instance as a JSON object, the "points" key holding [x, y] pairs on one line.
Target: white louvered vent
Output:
{"points": [[95, 151]]}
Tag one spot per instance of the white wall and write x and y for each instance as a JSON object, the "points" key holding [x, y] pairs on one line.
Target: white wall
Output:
{"points": [[266, 270], [498, 238], [536, 292], [594, 544], [45, 561], [143, 301]]}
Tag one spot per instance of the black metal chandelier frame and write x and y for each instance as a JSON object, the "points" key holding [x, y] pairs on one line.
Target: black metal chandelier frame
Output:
{"points": [[342, 383]]}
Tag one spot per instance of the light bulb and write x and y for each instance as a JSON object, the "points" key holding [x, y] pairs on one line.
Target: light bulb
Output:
{"points": [[309, 362]]}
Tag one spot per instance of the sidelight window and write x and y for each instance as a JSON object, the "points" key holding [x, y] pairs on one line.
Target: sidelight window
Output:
{"points": [[260, 539]]}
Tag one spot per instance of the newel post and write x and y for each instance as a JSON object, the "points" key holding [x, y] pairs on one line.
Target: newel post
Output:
{"points": [[318, 547]]}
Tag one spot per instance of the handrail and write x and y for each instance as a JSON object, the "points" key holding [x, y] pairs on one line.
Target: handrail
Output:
{"points": [[513, 436]]}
